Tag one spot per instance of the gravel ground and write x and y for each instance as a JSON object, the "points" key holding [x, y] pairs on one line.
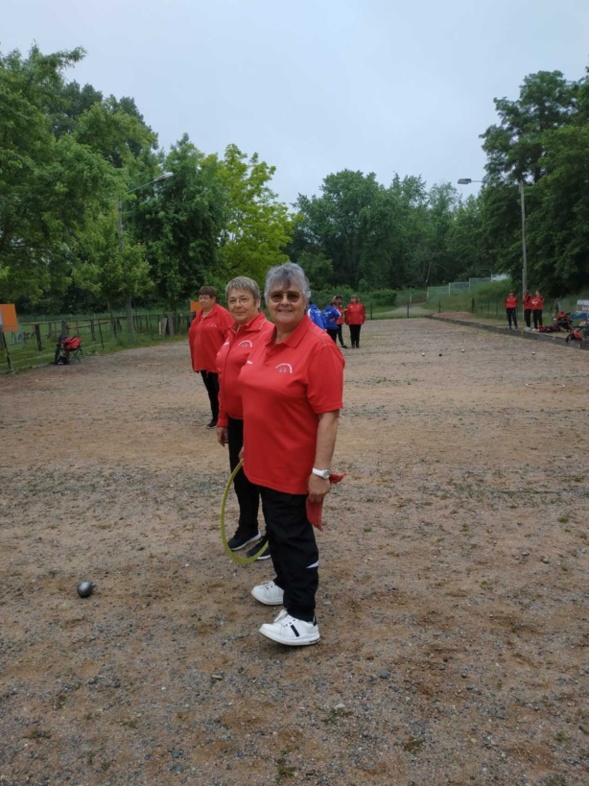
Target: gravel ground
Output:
{"points": [[453, 594]]}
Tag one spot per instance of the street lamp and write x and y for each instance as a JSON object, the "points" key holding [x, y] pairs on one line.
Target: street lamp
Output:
{"points": [[465, 181], [159, 179]]}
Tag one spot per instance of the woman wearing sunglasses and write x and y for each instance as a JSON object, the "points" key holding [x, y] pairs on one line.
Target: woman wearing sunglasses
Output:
{"points": [[291, 388]]}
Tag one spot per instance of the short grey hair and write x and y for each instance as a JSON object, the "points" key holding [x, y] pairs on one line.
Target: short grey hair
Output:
{"points": [[243, 282], [287, 275]]}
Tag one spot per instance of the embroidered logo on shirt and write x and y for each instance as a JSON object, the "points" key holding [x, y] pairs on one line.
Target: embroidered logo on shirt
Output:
{"points": [[245, 343], [284, 368]]}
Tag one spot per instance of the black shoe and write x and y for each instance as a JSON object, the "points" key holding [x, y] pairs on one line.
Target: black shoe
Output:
{"points": [[212, 424], [258, 547], [239, 540], [344, 346]]}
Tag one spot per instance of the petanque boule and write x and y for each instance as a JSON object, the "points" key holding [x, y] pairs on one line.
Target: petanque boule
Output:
{"points": [[85, 589]]}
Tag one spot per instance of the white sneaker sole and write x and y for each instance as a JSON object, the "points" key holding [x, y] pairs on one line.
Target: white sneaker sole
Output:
{"points": [[301, 641], [267, 601]]}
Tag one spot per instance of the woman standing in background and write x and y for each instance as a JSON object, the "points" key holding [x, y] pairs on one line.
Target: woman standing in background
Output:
{"points": [[537, 307], [355, 318], [205, 337]]}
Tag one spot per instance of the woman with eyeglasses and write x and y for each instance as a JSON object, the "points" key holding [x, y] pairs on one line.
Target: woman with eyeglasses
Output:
{"points": [[250, 326], [206, 334], [291, 389]]}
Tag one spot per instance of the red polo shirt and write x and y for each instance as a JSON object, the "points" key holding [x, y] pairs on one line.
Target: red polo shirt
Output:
{"points": [[206, 336], [230, 359], [284, 387], [511, 301], [355, 314]]}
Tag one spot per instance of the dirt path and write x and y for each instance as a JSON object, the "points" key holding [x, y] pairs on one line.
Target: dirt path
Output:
{"points": [[453, 595]]}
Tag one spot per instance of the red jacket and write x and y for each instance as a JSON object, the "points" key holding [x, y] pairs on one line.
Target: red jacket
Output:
{"points": [[205, 337], [355, 314], [537, 303], [511, 302], [528, 302]]}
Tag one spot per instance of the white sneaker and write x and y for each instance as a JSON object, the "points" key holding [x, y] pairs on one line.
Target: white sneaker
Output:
{"points": [[269, 594], [291, 631]]}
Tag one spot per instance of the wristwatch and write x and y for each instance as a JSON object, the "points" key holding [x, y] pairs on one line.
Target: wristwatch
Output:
{"points": [[322, 473]]}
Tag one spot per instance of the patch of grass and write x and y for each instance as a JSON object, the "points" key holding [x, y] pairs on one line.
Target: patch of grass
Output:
{"points": [[563, 519], [413, 746], [38, 734], [335, 714], [283, 772]]}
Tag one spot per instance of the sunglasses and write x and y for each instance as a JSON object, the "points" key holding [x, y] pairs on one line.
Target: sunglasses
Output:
{"points": [[291, 296]]}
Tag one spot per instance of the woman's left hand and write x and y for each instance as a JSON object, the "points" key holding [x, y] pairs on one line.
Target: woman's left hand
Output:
{"points": [[318, 488]]}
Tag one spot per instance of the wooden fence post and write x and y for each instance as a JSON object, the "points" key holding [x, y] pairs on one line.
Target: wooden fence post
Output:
{"points": [[4, 346], [38, 337]]}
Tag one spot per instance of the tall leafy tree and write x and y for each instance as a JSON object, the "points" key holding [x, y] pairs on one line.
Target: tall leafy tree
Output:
{"points": [[258, 227], [50, 186], [338, 223], [538, 138], [181, 222]]}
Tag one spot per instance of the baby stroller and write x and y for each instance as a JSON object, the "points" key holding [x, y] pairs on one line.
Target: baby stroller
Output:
{"points": [[68, 349], [562, 321], [580, 333]]}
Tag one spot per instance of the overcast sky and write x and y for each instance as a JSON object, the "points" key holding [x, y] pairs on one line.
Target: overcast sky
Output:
{"points": [[315, 86]]}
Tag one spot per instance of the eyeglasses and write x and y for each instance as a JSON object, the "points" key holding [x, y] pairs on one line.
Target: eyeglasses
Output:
{"points": [[239, 301], [291, 296]]}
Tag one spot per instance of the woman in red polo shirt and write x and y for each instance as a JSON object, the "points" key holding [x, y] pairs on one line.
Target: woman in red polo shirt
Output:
{"points": [[355, 316], [537, 308], [251, 326], [205, 337], [291, 388], [511, 309]]}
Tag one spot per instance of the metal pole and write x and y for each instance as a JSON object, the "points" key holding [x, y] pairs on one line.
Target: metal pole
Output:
{"points": [[130, 326], [524, 252]]}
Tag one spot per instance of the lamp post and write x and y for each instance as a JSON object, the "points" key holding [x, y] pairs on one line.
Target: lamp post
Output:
{"points": [[465, 181], [159, 179], [524, 252]]}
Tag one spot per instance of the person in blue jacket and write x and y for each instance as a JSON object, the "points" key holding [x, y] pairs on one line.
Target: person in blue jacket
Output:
{"points": [[316, 316], [331, 314]]}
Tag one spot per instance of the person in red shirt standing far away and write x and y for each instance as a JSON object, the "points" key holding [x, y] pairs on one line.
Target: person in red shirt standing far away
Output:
{"points": [[291, 388], [205, 337], [251, 326], [511, 309], [355, 316], [537, 308], [528, 310]]}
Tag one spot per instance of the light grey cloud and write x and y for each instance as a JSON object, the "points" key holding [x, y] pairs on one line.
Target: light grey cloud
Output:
{"points": [[318, 85]]}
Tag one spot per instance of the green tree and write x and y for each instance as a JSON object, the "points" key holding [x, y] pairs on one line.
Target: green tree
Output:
{"points": [[338, 223], [258, 228], [181, 223], [540, 142], [49, 187]]}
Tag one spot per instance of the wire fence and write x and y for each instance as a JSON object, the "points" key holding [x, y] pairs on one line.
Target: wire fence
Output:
{"points": [[40, 343]]}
